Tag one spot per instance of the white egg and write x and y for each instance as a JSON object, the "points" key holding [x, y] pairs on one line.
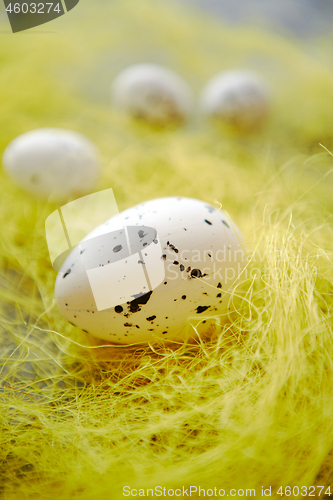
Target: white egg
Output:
{"points": [[52, 162], [153, 93], [239, 98], [149, 269]]}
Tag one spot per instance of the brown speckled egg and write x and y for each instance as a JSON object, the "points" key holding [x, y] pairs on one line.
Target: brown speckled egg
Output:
{"points": [[153, 93], [237, 97], [144, 272]]}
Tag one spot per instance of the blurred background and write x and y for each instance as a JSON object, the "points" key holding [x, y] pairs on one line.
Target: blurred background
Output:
{"points": [[277, 181], [303, 18]]}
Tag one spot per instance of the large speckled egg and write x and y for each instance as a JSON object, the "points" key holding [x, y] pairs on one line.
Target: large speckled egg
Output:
{"points": [[153, 93], [51, 162], [237, 97], [149, 269]]}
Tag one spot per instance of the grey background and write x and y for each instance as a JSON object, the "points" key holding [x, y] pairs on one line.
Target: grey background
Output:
{"points": [[301, 17]]}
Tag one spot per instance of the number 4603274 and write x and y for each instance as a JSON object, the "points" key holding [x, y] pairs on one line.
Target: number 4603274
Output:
{"points": [[34, 8], [309, 491]]}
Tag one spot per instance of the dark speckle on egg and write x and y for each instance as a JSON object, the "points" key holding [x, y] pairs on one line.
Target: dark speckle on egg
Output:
{"points": [[117, 248], [172, 247], [67, 273], [196, 273], [219, 285], [226, 224], [134, 305], [208, 222], [219, 295], [201, 309], [183, 297], [118, 309], [181, 267], [151, 318]]}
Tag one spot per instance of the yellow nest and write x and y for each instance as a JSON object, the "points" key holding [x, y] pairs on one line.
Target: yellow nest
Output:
{"points": [[248, 405]]}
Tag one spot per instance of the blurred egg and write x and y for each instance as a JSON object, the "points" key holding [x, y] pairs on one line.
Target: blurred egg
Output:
{"points": [[52, 162], [153, 93], [149, 269], [238, 98]]}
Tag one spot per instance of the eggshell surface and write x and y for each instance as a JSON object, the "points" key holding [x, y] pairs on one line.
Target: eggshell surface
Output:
{"points": [[239, 98], [197, 254], [52, 162], [153, 93]]}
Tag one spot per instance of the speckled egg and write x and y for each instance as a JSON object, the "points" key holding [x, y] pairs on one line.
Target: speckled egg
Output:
{"points": [[153, 93], [53, 163], [149, 269], [238, 98]]}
